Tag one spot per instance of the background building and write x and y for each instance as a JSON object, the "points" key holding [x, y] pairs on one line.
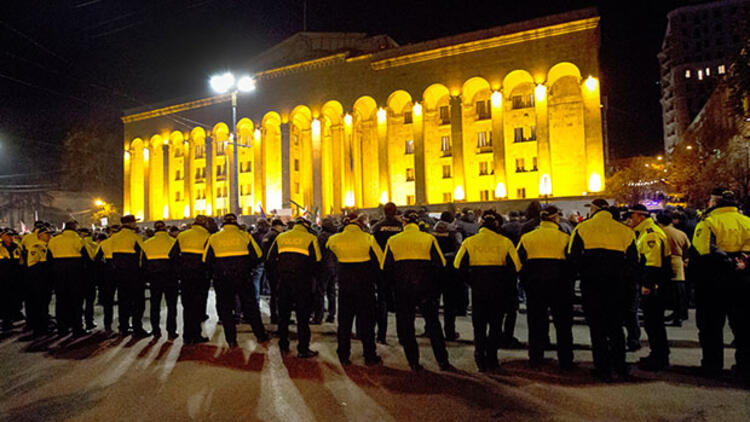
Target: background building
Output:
{"points": [[700, 43], [340, 120]]}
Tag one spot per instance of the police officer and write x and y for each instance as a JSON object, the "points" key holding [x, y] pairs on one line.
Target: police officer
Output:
{"points": [[449, 241], [158, 265], [383, 230], [654, 252], [604, 253], [127, 249], [89, 288], [356, 256], [412, 261], [326, 284], [10, 259], [294, 259], [277, 226], [193, 278], [67, 252], [489, 264], [231, 255], [106, 276], [547, 279], [722, 240], [37, 281]]}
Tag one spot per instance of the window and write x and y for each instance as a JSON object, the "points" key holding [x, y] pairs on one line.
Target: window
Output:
{"points": [[200, 151], [708, 71], [483, 110], [447, 197], [520, 165], [296, 164], [700, 75], [447, 171], [484, 195], [407, 117], [409, 147], [178, 152], [533, 134], [483, 168], [522, 101], [687, 73], [221, 170], [178, 196], [220, 147], [242, 190], [445, 115], [534, 163], [484, 139], [722, 69], [178, 175], [200, 173], [410, 200], [296, 187], [409, 175], [246, 167], [296, 139], [445, 145], [521, 193], [518, 134]]}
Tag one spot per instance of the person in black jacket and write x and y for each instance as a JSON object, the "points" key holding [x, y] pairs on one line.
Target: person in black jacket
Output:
{"points": [[382, 231]]}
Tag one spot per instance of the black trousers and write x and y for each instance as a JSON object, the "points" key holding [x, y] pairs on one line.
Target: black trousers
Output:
{"points": [[718, 299], [227, 289], [408, 300], [69, 291], [632, 323], [325, 289], [653, 322], [605, 304], [542, 298], [37, 298], [193, 307], [363, 306], [163, 286], [273, 303], [295, 295], [385, 302], [679, 299], [131, 301], [508, 312], [451, 292], [107, 289], [89, 296], [6, 301]]}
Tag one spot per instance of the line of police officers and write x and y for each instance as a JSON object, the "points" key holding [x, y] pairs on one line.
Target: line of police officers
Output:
{"points": [[612, 260]]}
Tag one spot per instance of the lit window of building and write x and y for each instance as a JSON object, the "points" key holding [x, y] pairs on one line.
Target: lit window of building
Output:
{"points": [[445, 145], [483, 168], [521, 193], [484, 195], [520, 165], [445, 115], [483, 110], [708, 71], [409, 175], [408, 117], [296, 164], [687, 73], [447, 171], [722, 69], [484, 139], [700, 75], [410, 200], [447, 197], [409, 147]]}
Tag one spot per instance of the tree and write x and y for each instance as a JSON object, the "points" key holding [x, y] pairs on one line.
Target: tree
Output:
{"points": [[636, 179], [92, 160]]}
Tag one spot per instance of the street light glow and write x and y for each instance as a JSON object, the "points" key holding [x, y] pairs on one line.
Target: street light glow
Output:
{"points": [[246, 84], [222, 83], [98, 202]]}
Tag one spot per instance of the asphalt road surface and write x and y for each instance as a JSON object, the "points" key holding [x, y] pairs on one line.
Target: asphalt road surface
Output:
{"points": [[100, 378]]}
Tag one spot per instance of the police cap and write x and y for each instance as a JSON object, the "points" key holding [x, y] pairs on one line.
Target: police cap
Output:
{"points": [[126, 219], [230, 218], [599, 203], [160, 226]]}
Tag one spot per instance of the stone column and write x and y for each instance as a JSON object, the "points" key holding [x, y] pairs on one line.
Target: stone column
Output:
{"points": [[420, 179], [127, 159], [592, 126], [457, 141], [498, 140], [259, 172], [338, 154], [384, 168], [286, 183], [166, 183], [542, 132], [187, 159], [146, 181], [317, 172], [209, 176]]}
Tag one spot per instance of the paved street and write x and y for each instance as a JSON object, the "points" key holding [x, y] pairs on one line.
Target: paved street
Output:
{"points": [[98, 378]]}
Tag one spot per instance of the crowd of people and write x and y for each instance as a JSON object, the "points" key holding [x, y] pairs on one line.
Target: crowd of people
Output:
{"points": [[626, 260]]}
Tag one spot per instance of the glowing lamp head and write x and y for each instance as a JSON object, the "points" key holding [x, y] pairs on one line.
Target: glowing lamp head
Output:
{"points": [[246, 84], [257, 135], [500, 191], [349, 199], [496, 99], [540, 92], [98, 202], [545, 185], [126, 155], [417, 109], [459, 194], [384, 198], [381, 115], [209, 211], [689, 147], [221, 83], [145, 154], [595, 183], [591, 83], [186, 211], [659, 158], [315, 126], [165, 211], [348, 119]]}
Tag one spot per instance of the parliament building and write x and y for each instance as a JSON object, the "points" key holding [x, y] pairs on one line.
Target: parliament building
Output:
{"points": [[340, 120]]}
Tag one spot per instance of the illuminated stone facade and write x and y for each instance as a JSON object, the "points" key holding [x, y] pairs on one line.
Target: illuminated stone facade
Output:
{"points": [[504, 113]]}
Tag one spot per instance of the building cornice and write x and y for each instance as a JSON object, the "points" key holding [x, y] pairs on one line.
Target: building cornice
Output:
{"points": [[203, 102]]}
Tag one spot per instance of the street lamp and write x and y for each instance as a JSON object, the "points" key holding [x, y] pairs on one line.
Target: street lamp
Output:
{"points": [[222, 84]]}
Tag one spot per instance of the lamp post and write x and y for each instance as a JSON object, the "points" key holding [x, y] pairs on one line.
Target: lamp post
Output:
{"points": [[222, 84]]}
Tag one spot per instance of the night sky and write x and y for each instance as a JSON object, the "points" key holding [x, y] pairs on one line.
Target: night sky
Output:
{"points": [[66, 62]]}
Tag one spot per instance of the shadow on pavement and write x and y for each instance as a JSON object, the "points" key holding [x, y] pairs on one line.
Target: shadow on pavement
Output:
{"points": [[228, 358]]}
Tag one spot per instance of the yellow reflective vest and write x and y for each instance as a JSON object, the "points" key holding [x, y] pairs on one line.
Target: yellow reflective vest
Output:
{"points": [[67, 244], [159, 246], [723, 230], [545, 242], [487, 249], [414, 245], [36, 251], [231, 242], [653, 244], [353, 245], [193, 240]]}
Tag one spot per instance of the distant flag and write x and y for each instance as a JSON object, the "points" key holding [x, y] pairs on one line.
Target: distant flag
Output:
{"points": [[36, 216], [262, 212], [317, 216], [23, 227]]}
